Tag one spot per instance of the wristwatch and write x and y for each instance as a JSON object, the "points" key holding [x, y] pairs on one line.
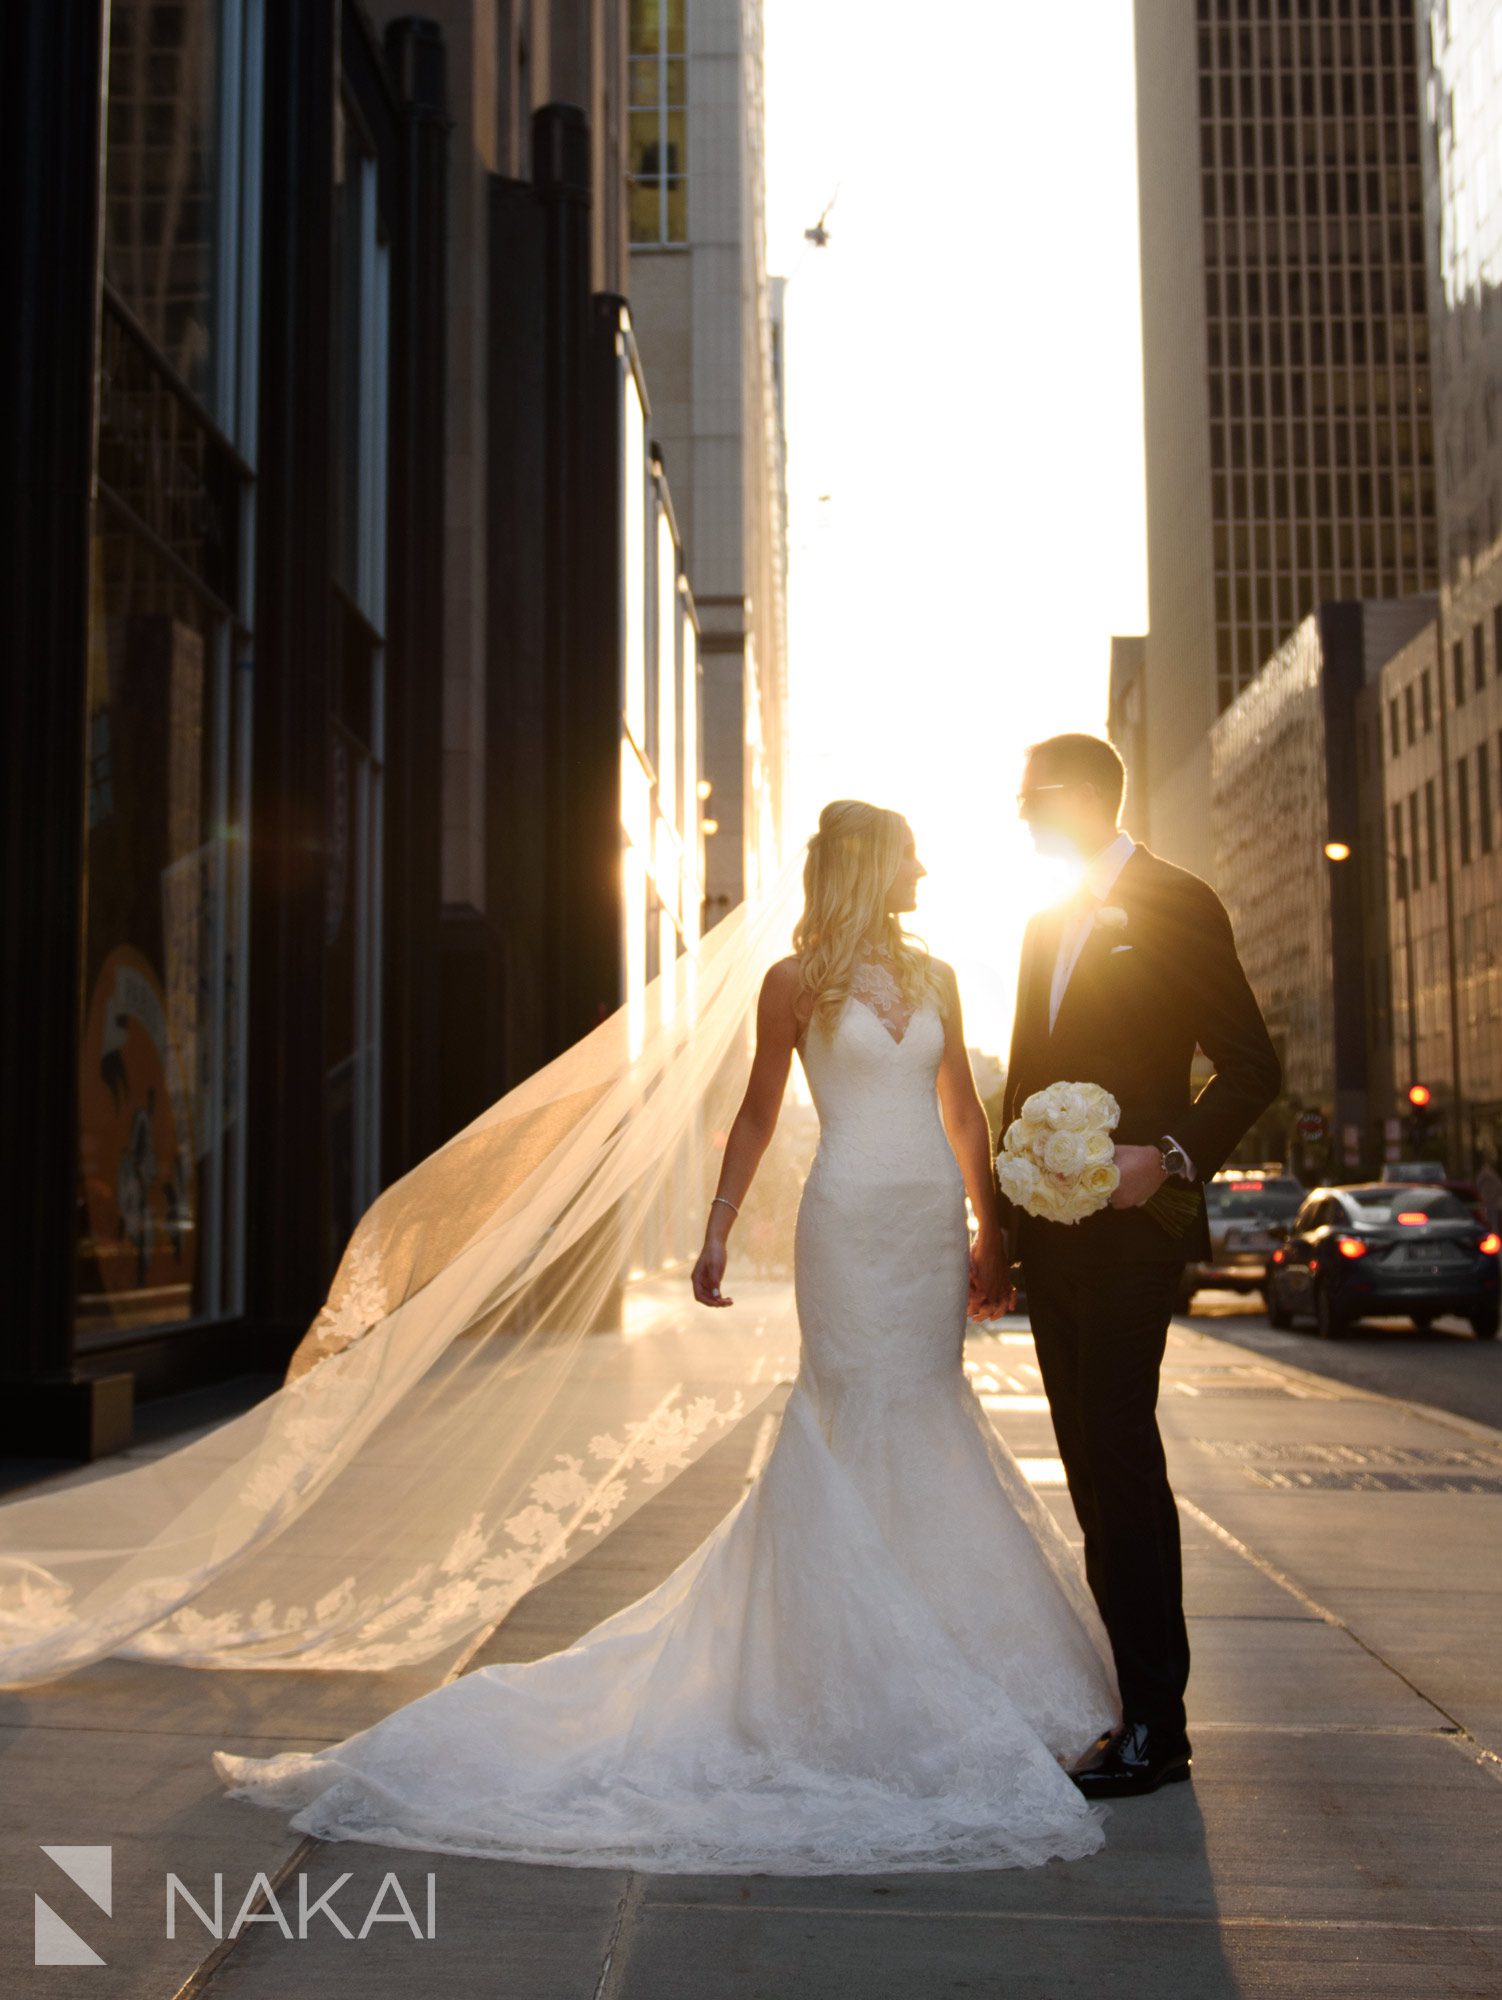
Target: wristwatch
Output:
{"points": [[1175, 1159]]}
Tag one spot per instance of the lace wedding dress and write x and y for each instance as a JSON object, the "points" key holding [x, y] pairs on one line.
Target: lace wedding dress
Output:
{"points": [[883, 1656]]}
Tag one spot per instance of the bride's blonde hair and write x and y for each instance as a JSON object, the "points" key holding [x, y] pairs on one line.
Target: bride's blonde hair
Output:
{"points": [[851, 861]]}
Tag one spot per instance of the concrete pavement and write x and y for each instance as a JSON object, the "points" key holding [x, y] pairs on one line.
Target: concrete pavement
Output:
{"points": [[1341, 1838]]}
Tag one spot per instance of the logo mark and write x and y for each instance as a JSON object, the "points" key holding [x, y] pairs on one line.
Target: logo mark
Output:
{"points": [[57, 1943]]}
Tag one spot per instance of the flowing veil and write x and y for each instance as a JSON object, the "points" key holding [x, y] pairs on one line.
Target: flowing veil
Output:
{"points": [[509, 1361]]}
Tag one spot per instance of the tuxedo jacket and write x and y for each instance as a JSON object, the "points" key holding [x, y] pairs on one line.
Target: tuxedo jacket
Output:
{"points": [[1141, 996]]}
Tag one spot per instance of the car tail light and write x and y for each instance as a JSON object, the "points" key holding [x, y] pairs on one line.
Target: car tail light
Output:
{"points": [[1314, 1263], [1490, 1244], [1279, 1254], [1351, 1246], [1414, 1217]]}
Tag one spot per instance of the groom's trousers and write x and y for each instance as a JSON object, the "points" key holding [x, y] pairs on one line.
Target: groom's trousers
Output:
{"points": [[1100, 1331]]}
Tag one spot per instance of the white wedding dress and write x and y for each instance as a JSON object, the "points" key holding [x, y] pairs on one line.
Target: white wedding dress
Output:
{"points": [[883, 1656]]}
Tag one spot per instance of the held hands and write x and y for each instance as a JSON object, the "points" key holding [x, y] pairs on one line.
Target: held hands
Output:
{"points": [[1141, 1175], [991, 1289]]}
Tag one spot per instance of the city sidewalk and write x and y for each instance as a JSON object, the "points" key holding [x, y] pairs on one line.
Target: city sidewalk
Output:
{"points": [[1342, 1837]]}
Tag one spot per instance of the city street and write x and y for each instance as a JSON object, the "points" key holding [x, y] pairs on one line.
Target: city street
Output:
{"points": [[1339, 1839], [1445, 1366]]}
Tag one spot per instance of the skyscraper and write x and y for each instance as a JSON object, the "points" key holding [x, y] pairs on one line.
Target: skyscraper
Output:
{"points": [[709, 322], [1289, 449], [1460, 57]]}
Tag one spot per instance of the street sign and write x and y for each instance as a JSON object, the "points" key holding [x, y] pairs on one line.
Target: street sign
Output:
{"points": [[1311, 1125]]}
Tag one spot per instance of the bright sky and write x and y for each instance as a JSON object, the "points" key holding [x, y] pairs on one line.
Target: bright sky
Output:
{"points": [[965, 387]]}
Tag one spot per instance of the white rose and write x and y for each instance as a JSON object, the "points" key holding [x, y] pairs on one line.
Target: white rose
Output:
{"points": [[1099, 1145], [1018, 1179], [1104, 1109], [1100, 1181], [1111, 918], [1072, 1113], [1035, 1135], [1065, 1152], [1015, 1138], [1035, 1107], [1045, 1201]]}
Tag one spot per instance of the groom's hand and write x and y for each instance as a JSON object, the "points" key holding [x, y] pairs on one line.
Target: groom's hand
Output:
{"points": [[991, 1289], [1141, 1169]]}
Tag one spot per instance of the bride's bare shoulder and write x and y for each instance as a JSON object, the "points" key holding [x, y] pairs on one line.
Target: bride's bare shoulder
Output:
{"points": [[948, 981], [783, 987]]}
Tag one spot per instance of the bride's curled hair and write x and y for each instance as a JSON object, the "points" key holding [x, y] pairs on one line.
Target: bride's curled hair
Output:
{"points": [[851, 861]]}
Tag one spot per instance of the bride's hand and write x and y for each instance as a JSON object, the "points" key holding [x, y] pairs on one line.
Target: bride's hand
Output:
{"points": [[708, 1274], [991, 1289]]}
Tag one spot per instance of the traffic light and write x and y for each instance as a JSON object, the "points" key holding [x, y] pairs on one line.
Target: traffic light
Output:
{"points": [[1420, 1119]]}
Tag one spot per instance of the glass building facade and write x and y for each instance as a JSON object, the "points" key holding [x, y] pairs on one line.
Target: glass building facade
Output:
{"points": [[161, 1233], [217, 252], [1460, 52], [1321, 449], [1287, 403]]}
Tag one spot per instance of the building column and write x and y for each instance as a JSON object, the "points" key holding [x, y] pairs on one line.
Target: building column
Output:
{"points": [[49, 158]]}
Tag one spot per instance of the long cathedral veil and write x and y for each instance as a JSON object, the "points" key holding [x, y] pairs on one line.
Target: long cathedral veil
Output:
{"points": [[509, 1361]]}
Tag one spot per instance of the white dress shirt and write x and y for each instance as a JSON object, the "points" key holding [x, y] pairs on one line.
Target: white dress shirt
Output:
{"points": [[1095, 886]]}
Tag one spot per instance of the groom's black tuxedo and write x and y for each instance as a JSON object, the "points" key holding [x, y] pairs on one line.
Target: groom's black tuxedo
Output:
{"points": [[1140, 997], [1100, 1293]]}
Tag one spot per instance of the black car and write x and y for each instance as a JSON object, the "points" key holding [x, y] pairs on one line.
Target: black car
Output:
{"points": [[1385, 1248]]}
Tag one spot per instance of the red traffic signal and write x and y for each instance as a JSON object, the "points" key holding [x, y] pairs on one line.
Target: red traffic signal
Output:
{"points": [[1419, 1095]]}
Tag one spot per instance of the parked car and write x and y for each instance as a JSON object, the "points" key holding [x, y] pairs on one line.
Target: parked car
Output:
{"points": [[1243, 1203], [1409, 1171], [1385, 1247]]}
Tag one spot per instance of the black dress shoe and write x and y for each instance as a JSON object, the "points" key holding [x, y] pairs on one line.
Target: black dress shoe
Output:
{"points": [[1139, 1759]]}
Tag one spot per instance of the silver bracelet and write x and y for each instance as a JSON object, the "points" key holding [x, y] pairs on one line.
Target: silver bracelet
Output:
{"points": [[724, 1198]]}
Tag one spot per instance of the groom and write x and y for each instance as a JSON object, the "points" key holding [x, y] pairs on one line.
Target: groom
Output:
{"points": [[1116, 986]]}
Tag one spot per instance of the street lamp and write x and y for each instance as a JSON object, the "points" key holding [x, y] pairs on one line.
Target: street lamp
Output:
{"points": [[1340, 850]]}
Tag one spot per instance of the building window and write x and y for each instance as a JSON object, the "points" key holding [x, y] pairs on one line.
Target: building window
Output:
{"points": [[1457, 652], [1427, 700], [360, 276], [1478, 656], [1484, 797], [1408, 711], [1392, 727], [164, 916], [1463, 807], [1431, 829], [1400, 860], [1414, 850], [658, 88]]}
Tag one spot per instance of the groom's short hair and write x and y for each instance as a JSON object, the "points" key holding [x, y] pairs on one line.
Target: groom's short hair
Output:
{"points": [[1078, 759]]}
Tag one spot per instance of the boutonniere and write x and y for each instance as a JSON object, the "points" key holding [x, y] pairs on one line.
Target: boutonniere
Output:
{"points": [[1110, 918]]}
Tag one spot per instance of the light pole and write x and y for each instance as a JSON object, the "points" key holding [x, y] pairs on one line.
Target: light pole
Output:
{"points": [[1339, 850]]}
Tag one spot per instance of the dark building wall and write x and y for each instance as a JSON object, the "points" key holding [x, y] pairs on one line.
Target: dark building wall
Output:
{"points": [[69, 1391]]}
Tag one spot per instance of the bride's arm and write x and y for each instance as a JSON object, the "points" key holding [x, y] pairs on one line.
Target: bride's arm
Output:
{"points": [[754, 1123], [969, 1134]]}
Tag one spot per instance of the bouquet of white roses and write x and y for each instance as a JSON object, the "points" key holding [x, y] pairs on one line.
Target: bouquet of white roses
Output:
{"points": [[1058, 1159]]}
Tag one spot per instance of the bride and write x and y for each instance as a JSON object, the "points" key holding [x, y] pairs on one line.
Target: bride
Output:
{"points": [[885, 1655]]}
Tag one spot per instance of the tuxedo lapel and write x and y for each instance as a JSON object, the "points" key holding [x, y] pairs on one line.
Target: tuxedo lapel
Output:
{"points": [[1040, 974]]}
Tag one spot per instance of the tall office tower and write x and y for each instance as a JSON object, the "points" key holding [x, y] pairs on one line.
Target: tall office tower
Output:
{"points": [[1460, 55], [708, 321], [1285, 349]]}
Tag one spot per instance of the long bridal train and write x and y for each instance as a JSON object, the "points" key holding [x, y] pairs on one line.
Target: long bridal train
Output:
{"points": [[884, 1655]]}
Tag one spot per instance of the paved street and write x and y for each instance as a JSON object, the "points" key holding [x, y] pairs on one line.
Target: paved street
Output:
{"points": [[1446, 1366], [1341, 1837]]}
